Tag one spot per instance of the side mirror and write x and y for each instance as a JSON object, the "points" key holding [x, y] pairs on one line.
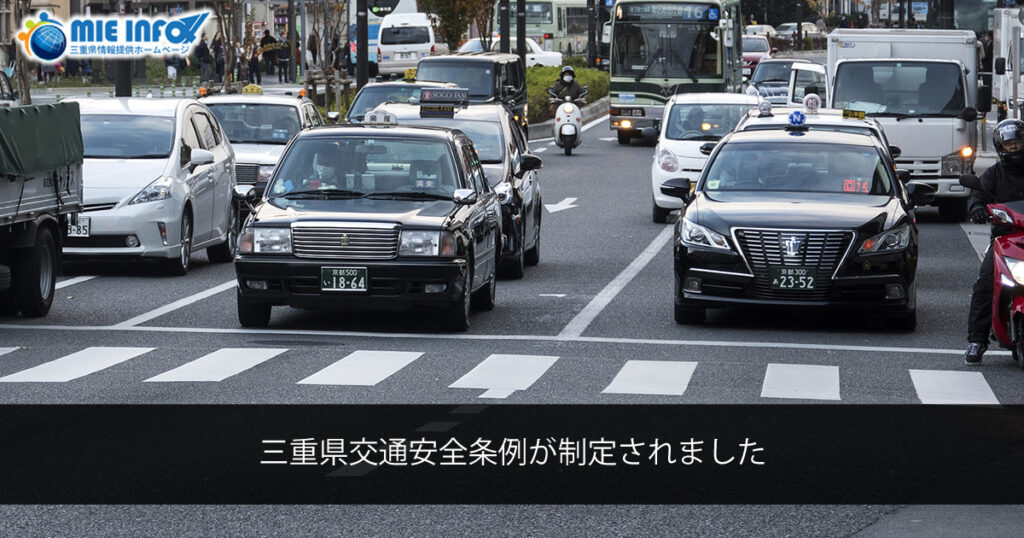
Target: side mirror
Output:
{"points": [[244, 193], [895, 151], [678, 187], [984, 99], [464, 196], [529, 162], [902, 175], [508, 90], [1000, 66], [920, 193], [649, 133], [200, 157], [333, 116], [969, 114], [706, 149], [970, 181]]}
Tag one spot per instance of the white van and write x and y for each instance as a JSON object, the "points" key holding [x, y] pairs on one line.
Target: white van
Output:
{"points": [[404, 39]]}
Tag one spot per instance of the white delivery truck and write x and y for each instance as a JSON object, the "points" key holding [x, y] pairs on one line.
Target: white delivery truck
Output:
{"points": [[1004, 21], [922, 87]]}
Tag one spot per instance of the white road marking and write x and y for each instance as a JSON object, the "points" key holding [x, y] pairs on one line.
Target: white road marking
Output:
{"points": [[551, 295], [561, 206], [669, 378], [802, 381], [501, 375], [219, 365], [608, 138], [979, 235], [540, 150], [582, 320], [6, 350], [180, 303], [75, 365], [952, 387], [365, 368], [594, 122], [503, 337], [73, 281]]}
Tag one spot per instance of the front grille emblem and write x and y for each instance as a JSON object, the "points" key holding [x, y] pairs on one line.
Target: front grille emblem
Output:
{"points": [[792, 244], [344, 240]]}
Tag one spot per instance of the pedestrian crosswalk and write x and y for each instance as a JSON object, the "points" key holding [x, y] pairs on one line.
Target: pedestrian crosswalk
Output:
{"points": [[497, 376]]}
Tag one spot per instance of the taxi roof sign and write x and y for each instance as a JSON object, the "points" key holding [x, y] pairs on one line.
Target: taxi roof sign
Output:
{"points": [[765, 109], [854, 114], [812, 102], [441, 102], [255, 89], [379, 116]]}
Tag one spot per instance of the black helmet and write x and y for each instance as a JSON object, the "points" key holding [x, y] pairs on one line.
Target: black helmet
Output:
{"points": [[568, 69], [1009, 142]]}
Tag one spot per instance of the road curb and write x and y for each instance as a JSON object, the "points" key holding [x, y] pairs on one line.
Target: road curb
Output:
{"points": [[593, 110]]}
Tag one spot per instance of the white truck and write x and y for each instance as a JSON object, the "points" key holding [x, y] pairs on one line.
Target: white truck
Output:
{"points": [[1004, 21], [922, 87], [40, 186]]}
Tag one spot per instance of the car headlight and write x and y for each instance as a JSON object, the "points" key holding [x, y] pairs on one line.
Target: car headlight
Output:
{"points": [[423, 243], [266, 171], [953, 164], [693, 234], [667, 161], [160, 189], [1016, 268], [889, 241], [265, 241], [504, 192]]}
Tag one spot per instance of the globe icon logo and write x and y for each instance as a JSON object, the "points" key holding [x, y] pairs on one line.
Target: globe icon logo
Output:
{"points": [[48, 42]]}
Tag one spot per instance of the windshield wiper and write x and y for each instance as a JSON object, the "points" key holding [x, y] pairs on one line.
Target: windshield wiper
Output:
{"points": [[324, 192], [281, 142], [898, 115], [649, 64], [688, 72], [407, 194], [769, 80]]}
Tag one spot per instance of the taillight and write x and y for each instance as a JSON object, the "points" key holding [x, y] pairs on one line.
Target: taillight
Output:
{"points": [[431, 49], [378, 53]]}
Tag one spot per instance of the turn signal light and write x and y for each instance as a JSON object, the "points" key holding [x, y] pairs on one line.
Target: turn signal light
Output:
{"points": [[302, 93], [966, 152]]}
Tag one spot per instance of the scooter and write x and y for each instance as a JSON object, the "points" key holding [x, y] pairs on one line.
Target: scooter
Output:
{"points": [[1008, 258], [568, 120]]}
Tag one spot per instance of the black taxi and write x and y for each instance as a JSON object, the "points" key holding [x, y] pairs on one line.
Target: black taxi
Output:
{"points": [[372, 217]]}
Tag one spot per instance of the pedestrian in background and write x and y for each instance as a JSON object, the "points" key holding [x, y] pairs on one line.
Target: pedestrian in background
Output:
{"points": [[218, 56], [269, 54], [313, 45], [255, 75], [205, 60]]}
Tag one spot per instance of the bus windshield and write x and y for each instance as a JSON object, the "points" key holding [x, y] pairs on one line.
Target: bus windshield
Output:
{"points": [[668, 50]]}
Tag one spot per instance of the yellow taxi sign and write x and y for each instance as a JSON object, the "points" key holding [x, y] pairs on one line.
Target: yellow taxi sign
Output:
{"points": [[410, 74], [253, 89], [854, 114]]}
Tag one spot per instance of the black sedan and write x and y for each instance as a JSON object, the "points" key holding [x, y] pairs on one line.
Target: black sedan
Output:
{"points": [[372, 217], [797, 218]]}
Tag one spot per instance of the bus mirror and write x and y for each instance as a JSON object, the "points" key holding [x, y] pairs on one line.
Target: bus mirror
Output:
{"points": [[606, 33]]}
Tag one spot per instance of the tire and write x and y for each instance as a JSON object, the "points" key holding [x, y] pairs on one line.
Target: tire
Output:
{"points": [[567, 149], [180, 265], [660, 214], [456, 316], [532, 256], [689, 315], [483, 298], [905, 322], [953, 209], [1017, 350], [253, 315], [516, 268], [624, 136], [35, 275], [225, 252]]}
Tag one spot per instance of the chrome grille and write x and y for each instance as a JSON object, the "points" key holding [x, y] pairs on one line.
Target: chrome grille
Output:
{"points": [[820, 249], [98, 207], [246, 173], [921, 169], [353, 243]]}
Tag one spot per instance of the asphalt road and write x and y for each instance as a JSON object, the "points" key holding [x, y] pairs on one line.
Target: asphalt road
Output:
{"points": [[599, 304]]}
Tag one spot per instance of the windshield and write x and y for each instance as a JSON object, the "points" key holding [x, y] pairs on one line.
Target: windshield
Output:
{"points": [[672, 50], [121, 136], [703, 122], [900, 88], [404, 35], [771, 72], [357, 166], [257, 123], [486, 135], [478, 77], [799, 167], [755, 45], [370, 97]]}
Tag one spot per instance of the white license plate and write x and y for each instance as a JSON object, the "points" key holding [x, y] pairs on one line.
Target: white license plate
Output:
{"points": [[407, 55], [343, 278], [746, 70], [78, 226]]}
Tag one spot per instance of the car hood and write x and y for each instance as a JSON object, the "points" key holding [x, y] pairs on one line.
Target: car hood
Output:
{"points": [[109, 180], [722, 211], [754, 56], [407, 213], [258, 153]]}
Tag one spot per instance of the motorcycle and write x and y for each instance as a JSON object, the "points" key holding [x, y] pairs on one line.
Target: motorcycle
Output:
{"points": [[568, 120], [1008, 258]]}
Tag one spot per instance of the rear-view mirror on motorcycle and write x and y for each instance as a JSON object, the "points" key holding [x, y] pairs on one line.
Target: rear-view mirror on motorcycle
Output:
{"points": [[970, 181], [1000, 214]]}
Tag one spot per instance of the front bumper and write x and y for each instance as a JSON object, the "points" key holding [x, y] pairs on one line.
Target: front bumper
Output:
{"points": [[110, 229], [392, 284], [652, 114]]}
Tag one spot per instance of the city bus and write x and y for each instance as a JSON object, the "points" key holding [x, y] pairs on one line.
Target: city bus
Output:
{"points": [[663, 47], [375, 12], [557, 25]]}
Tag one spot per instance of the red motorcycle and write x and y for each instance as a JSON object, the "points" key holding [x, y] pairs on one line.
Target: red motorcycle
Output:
{"points": [[1008, 258]]}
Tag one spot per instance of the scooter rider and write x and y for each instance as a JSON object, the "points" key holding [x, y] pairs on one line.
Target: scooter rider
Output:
{"points": [[566, 85], [1003, 182]]}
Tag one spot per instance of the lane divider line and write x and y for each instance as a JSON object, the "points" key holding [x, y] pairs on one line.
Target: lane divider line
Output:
{"points": [[176, 305], [72, 281]]}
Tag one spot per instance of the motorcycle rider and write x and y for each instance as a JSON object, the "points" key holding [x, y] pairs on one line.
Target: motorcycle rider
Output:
{"points": [[566, 85], [1003, 182]]}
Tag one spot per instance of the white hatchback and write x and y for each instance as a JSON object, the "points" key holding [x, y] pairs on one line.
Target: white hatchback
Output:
{"points": [[157, 181], [691, 120]]}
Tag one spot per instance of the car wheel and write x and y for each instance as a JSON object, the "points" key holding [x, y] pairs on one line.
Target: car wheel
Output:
{"points": [[516, 268], [456, 317], [533, 254], [1018, 346], [483, 298], [953, 209], [660, 214], [905, 322], [35, 275], [225, 252], [250, 314], [180, 265], [689, 315], [624, 136]]}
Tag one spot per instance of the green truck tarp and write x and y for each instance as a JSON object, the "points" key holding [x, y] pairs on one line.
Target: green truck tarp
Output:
{"points": [[37, 138]]}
